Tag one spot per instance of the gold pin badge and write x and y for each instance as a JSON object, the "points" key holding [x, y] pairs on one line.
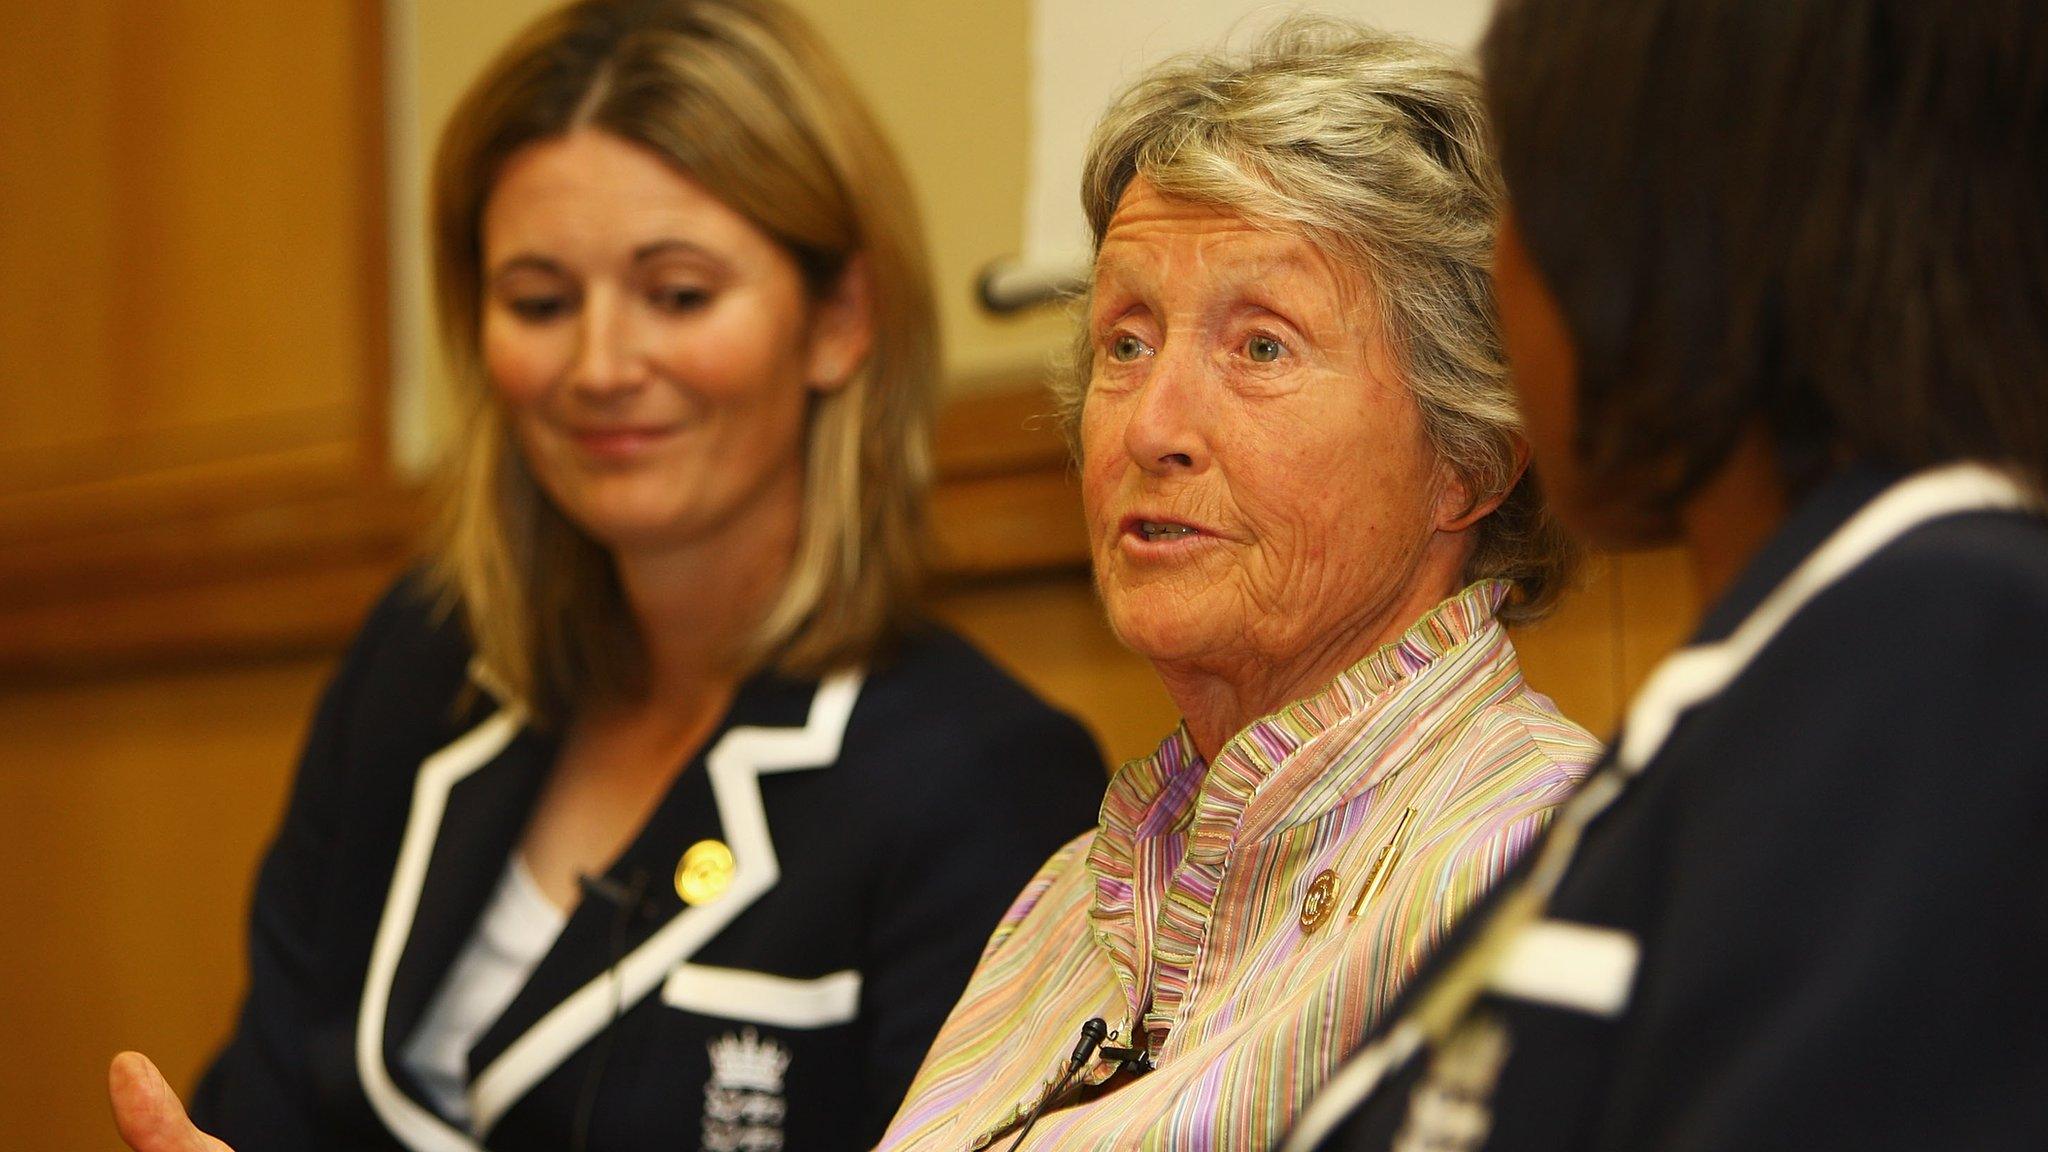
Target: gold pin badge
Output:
{"points": [[1383, 864], [704, 872], [1321, 899]]}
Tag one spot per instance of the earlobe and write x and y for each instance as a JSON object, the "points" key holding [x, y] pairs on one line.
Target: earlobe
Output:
{"points": [[1457, 510], [842, 329]]}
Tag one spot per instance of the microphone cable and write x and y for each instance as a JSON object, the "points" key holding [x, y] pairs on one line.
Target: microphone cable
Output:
{"points": [[628, 900], [1092, 1033]]}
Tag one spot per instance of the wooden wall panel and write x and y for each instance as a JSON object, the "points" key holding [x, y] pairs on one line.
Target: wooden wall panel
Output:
{"points": [[1051, 633], [245, 216], [136, 809], [1572, 655], [192, 317], [192, 369], [199, 276], [1657, 609], [58, 189]]}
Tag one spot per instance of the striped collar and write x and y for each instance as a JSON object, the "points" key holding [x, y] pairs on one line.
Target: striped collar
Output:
{"points": [[1170, 820]]}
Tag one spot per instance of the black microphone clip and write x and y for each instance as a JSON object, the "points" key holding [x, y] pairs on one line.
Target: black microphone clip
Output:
{"points": [[628, 896], [1135, 1059]]}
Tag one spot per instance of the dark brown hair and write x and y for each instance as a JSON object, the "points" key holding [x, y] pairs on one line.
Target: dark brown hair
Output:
{"points": [[1827, 218]]}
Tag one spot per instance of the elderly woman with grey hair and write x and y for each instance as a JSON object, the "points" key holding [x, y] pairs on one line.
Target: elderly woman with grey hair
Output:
{"points": [[1303, 477]]}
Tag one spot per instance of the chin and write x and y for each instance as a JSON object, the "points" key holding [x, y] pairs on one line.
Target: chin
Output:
{"points": [[1156, 631], [617, 529]]}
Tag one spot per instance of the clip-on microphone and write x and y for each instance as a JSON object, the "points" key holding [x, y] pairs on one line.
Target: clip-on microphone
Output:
{"points": [[1136, 1059], [1092, 1033]]}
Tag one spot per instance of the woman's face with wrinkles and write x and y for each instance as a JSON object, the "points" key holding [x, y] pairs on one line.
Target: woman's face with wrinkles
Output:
{"points": [[1260, 491]]}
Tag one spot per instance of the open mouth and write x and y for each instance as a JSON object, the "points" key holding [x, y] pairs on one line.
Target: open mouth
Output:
{"points": [[1143, 531], [1161, 531]]}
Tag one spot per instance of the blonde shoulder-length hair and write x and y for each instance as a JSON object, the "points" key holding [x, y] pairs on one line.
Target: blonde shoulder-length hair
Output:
{"points": [[743, 98]]}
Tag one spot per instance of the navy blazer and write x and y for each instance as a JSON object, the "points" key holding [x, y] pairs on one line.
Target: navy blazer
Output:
{"points": [[1817, 920], [880, 824]]}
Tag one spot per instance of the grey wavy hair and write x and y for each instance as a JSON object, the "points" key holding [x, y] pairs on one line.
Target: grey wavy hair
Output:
{"points": [[1374, 148]]}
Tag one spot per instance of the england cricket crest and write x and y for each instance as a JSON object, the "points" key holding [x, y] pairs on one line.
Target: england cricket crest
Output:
{"points": [[1451, 1110], [743, 1102]]}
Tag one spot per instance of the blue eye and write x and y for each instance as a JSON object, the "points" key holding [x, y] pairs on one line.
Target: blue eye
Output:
{"points": [[1125, 348], [1264, 349]]}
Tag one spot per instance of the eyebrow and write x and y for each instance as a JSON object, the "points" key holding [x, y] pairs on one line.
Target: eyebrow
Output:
{"points": [[525, 261], [655, 248], [642, 254]]}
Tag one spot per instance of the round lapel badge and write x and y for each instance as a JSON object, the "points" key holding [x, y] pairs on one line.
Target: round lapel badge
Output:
{"points": [[1321, 898], [704, 872]]}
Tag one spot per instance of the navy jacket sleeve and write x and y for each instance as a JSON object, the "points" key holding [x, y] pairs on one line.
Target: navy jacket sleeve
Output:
{"points": [[259, 1093], [1863, 857], [1020, 782]]}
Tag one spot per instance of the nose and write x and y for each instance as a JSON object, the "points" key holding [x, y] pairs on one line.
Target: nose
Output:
{"points": [[1164, 433], [609, 359]]}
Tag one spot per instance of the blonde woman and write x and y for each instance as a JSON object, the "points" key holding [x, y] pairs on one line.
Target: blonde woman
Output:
{"points": [[648, 814]]}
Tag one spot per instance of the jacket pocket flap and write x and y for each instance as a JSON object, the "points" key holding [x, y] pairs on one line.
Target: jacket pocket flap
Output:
{"points": [[1577, 967], [759, 998]]}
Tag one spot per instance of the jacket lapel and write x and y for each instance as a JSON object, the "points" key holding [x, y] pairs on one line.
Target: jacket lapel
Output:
{"points": [[485, 814], [469, 805], [639, 898], [579, 988]]}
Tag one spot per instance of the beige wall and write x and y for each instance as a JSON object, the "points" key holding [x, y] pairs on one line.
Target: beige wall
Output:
{"points": [[951, 82]]}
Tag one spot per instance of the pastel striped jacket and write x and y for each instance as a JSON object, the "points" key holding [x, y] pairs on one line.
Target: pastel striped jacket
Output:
{"points": [[1247, 922]]}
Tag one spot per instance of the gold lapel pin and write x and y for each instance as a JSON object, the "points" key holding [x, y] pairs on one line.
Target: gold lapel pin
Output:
{"points": [[1383, 864], [1321, 897], [704, 872]]}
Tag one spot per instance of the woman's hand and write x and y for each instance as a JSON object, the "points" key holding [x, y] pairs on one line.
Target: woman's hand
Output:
{"points": [[148, 1113]]}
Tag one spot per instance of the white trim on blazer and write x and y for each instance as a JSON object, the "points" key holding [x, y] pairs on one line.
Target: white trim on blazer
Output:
{"points": [[735, 765], [1683, 680], [1581, 967], [759, 998], [418, 1126]]}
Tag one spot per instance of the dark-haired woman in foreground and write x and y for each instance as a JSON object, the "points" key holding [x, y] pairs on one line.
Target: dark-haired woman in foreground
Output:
{"points": [[1774, 286]]}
